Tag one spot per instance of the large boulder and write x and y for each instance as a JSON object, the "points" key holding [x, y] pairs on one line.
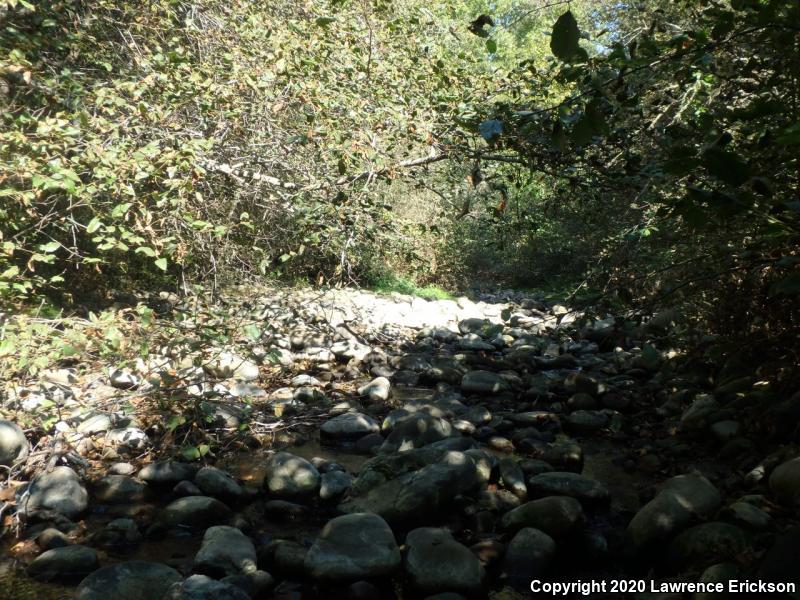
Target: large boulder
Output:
{"points": [[225, 551], [435, 562], [133, 580], [352, 547], [779, 564], [784, 482], [382, 468], [707, 544], [13, 444], [418, 494], [60, 490], [528, 556], [680, 500], [289, 476]]}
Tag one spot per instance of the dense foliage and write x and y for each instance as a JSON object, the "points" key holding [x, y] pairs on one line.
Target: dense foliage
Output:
{"points": [[646, 150]]}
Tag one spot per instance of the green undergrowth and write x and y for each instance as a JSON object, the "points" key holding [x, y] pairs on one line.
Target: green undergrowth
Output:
{"points": [[390, 282]]}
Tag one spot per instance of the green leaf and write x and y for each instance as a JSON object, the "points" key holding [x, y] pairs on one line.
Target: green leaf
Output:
{"points": [[175, 421], [10, 272], [146, 251], [120, 209], [191, 453], [564, 40], [491, 46], [94, 225], [68, 350], [161, 263], [49, 247], [324, 21]]}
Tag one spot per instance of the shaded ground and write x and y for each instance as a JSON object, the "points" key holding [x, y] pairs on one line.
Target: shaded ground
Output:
{"points": [[463, 416]]}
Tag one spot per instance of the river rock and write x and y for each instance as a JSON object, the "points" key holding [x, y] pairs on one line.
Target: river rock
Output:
{"points": [[784, 482], [201, 587], [334, 484], [195, 511], [417, 430], [119, 489], [475, 342], [481, 327], [305, 380], [377, 390], [133, 580], [418, 494], [563, 483], [554, 515], [118, 536], [483, 382], [131, 438], [585, 422], [485, 463], [52, 538], [581, 401], [123, 379], [697, 416], [352, 547], [349, 426], [581, 383], [513, 477], [96, 423], [748, 515], [64, 564], [286, 558], [435, 562], [217, 483], [680, 500], [227, 364], [167, 473], [718, 573], [60, 490], [384, 467], [706, 544], [289, 476], [779, 565], [225, 551], [529, 554], [13, 443]]}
